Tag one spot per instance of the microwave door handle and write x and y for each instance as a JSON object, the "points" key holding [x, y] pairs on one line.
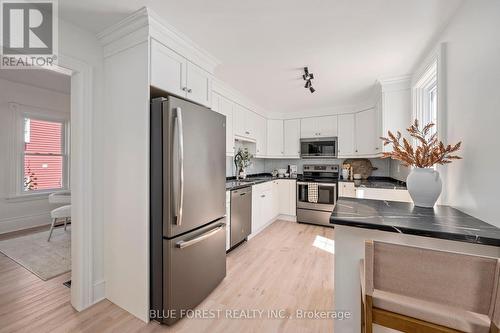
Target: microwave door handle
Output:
{"points": [[179, 196]]}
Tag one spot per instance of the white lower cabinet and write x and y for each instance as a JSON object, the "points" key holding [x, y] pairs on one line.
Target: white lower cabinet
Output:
{"points": [[262, 206], [286, 197], [383, 194], [270, 200], [347, 190]]}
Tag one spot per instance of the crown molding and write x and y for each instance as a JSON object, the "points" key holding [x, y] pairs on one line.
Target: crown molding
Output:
{"points": [[144, 24], [395, 83]]}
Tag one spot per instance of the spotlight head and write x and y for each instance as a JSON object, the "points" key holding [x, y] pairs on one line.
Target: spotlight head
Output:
{"points": [[311, 76], [306, 70], [304, 77], [311, 89], [308, 84]]}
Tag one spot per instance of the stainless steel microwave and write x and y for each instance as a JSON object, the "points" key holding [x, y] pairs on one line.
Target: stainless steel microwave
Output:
{"points": [[318, 148]]}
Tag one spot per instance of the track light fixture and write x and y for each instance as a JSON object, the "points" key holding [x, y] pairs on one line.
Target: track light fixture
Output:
{"points": [[308, 77]]}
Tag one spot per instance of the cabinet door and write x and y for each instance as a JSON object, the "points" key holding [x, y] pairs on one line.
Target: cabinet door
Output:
{"points": [[238, 120], [292, 197], [347, 190], [308, 128], [216, 100], [256, 208], [326, 126], [366, 132], [168, 69], [283, 197], [250, 124], [346, 135], [268, 207], [261, 137], [275, 138], [226, 108], [199, 85], [291, 130]]}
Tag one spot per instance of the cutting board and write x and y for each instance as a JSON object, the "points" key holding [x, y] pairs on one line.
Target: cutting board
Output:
{"points": [[363, 166]]}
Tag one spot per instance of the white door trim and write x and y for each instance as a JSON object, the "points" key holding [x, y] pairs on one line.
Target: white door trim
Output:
{"points": [[81, 179]]}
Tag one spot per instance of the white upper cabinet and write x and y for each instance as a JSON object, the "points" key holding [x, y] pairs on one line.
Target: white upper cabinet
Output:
{"points": [[198, 85], [394, 107], [367, 142], [291, 130], [226, 108], [245, 122], [275, 138], [238, 120], [327, 126], [346, 143], [168, 69], [315, 127], [174, 74], [261, 137], [308, 128], [250, 124]]}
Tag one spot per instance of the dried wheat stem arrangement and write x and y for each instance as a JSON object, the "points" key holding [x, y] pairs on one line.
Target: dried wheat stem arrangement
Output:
{"points": [[429, 150]]}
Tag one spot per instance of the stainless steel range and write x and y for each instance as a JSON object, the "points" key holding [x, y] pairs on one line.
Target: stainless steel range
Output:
{"points": [[317, 193]]}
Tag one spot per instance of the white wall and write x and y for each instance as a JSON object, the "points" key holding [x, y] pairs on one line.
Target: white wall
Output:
{"points": [[472, 71], [84, 46], [16, 214]]}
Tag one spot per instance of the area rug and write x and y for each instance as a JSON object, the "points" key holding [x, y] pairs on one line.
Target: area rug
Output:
{"points": [[44, 259]]}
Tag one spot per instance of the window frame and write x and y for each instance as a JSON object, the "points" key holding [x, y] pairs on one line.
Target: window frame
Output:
{"points": [[19, 113]]}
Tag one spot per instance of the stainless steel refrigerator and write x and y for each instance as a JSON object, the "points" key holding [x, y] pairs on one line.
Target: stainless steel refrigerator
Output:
{"points": [[187, 206]]}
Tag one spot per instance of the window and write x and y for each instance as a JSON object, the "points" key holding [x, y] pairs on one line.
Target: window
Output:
{"points": [[426, 97], [44, 159]]}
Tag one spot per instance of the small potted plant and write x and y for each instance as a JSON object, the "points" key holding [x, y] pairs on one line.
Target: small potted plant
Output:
{"points": [[242, 160], [424, 183]]}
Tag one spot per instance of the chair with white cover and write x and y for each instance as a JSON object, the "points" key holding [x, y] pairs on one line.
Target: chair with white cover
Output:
{"points": [[414, 289], [60, 197], [63, 212]]}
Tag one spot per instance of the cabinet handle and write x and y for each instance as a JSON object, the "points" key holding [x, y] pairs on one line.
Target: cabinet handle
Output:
{"points": [[190, 90], [376, 148], [247, 132], [356, 150], [184, 88], [263, 196]]}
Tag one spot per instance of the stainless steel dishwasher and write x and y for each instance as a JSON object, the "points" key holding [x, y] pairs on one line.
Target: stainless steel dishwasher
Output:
{"points": [[241, 215]]}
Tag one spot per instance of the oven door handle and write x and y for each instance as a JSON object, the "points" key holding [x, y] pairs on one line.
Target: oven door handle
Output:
{"points": [[319, 184]]}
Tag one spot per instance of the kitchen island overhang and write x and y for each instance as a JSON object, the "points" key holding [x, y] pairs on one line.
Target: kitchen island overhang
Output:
{"points": [[440, 228]]}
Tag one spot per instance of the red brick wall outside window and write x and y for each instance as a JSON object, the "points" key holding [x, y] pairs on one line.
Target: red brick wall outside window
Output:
{"points": [[43, 155]]}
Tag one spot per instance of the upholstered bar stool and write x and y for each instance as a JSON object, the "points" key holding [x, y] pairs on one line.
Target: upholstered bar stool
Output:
{"points": [[413, 289]]}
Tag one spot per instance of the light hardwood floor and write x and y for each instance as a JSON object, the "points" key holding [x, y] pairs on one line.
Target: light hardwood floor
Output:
{"points": [[278, 269]]}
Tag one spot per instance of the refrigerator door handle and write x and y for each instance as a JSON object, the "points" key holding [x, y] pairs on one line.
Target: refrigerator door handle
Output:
{"points": [[183, 244], [180, 195]]}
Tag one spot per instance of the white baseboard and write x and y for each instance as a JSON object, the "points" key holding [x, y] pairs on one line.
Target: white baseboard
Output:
{"points": [[16, 223], [99, 291], [284, 217]]}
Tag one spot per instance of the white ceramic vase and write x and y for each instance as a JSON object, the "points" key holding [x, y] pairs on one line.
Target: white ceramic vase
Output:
{"points": [[424, 186]]}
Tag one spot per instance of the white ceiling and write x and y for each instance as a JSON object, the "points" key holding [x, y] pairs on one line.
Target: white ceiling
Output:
{"points": [[40, 78], [263, 44]]}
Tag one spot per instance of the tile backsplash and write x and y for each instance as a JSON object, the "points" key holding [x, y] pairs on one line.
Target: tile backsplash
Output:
{"points": [[268, 165]]}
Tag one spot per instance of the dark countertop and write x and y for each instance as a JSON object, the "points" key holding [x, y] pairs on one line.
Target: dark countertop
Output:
{"points": [[378, 182], [442, 222], [233, 184]]}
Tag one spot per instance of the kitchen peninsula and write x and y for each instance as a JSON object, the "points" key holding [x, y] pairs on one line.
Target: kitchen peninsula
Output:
{"points": [[440, 228]]}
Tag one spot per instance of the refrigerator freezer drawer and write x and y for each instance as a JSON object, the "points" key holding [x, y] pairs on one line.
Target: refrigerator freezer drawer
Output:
{"points": [[194, 265]]}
